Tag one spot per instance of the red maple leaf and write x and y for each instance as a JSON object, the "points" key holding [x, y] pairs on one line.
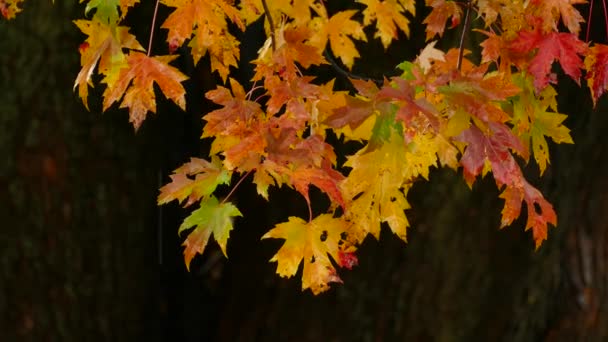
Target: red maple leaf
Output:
{"points": [[596, 64], [552, 46], [493, 147]]}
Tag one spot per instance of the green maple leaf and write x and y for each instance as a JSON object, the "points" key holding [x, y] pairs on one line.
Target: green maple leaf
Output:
{"points": [[211, 218]]}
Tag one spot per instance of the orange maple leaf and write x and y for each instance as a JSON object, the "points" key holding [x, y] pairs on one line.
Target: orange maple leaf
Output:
{"points": [[205, 22], [551, 10], [104, 46], [292, 46], [442, 11], [136, 83]]}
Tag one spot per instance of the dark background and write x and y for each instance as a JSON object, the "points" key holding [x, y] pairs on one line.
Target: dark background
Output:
{"points": [[86, 255]]}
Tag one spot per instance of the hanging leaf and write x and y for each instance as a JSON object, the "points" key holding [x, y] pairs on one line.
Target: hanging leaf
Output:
{"points": [[311, 243], [136, 84], [211, 218]]}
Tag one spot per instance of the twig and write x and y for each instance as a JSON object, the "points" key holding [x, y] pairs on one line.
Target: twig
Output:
{"points": [[236, 186], [465, 28], [346, 74], [605, 15], [152, 27], [589, 21], [270, 23]]}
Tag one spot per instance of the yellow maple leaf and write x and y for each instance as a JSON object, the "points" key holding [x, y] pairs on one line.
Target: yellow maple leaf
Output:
{"points": [[375, 190], [125, 5], [535, 117], [104, 47], [420, 155], [389, 16], [338, 30], [136, 82], [311, 242]]}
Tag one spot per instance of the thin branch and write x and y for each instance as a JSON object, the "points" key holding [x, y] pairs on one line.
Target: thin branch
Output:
{"points": [[236, 186], [152, 27], [589, 21], [270, 23], [465, 29], [605, 15], [347, 74]]}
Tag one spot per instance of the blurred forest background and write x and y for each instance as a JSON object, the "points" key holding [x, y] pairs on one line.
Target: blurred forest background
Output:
{"points": [[86, 255]]}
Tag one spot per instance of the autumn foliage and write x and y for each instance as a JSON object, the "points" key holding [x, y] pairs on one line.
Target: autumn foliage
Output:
{"points": [[445, 110]]}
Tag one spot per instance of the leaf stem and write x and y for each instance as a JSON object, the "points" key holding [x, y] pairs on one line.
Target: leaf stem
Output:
{"points": [[236, 186], [309, 211], [152, 27], [270, 23], [465, 28]]}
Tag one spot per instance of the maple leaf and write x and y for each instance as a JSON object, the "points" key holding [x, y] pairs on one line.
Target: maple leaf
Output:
{"points": [[353, 113], [596, 63], [325, 178], [480, 96], [208, 175], [313, 243], [532, 120], [441, 12], [428, 54], [375, 191], [337, 30], [537, 221], [358, 109], [497, 48], [389, 16], [238, 127], [560, 46], [138, 80], [292, 46], [106, 11], [551, 10], [104, 46], [10, 8], [235, 116], [401, 93], [494, 148], [301, 11], [125, 5], [489, 10], [211, 218], [205, 22], [251, 10], [246, 154]]}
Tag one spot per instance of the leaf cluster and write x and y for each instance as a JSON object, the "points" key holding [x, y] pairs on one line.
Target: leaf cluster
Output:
{"points": [[444, 110]]}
